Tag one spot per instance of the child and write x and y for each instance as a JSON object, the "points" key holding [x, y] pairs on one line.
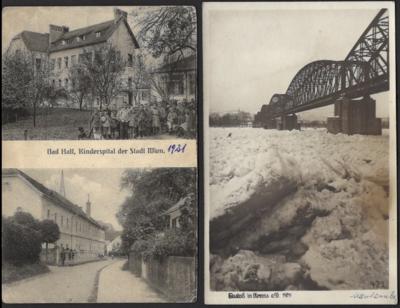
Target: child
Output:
{"points": [[82, 133], [114, 124], [171, 120], [105, 125], [96, 125], [131, 123], [156, 121]]}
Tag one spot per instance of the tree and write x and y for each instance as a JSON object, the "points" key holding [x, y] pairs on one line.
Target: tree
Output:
{"points": [[50, 232], [25, 83], [105, 73], [168, 30], [140, 78], [17, 85], [140, 214], [80, 84]]}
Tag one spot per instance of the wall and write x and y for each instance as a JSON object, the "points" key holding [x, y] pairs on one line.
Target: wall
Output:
{"points": [[19, 193], [174, 276]]}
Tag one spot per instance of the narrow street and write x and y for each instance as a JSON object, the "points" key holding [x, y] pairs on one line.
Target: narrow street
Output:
{"points": [[118, 286], [78, 284], [70, 284]]}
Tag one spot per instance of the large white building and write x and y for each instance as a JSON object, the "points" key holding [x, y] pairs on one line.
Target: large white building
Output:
{"points": [[61, 49], [78, 230]]}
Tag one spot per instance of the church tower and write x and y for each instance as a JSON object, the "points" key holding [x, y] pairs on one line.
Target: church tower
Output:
{"points": [[88, 206]]}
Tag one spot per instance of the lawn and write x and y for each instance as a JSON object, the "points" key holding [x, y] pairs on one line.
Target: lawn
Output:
{"points": [[57, 123], [10, 272]]}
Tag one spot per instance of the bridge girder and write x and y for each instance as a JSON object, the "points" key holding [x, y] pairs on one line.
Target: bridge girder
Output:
{"points": [[364, 71]]}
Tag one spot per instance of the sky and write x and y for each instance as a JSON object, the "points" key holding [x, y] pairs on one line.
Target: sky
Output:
{"points": [[103, 185], [253, 54]]}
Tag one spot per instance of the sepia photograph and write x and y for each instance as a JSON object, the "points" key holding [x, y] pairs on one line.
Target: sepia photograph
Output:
{"points": [[300, 180], [99, 235], [99, 73]]}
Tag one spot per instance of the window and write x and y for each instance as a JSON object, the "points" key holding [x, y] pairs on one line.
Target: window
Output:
{"points": [[129, 82], [62, 220], [85, 57], [176, 84], [192, 83], [76, 227], [38, 63], [66, 61], [59, 83], [53, 82], [55, 217], [130, 59], [59, 63], [67, 222], [48, 213], [83, 37], [66, 82], [174, 222], [63, 42], [73, 60], [98, 34], [78, 39], [52, 64]]}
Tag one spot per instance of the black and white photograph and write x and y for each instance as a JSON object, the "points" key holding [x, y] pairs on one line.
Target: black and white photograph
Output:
{"points": [[99, 72], [300, 189], [99, 235]]}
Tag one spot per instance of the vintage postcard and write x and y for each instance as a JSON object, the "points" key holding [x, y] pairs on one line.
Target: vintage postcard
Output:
{"points": [[300, 170], [99, 73], [99, 154]]}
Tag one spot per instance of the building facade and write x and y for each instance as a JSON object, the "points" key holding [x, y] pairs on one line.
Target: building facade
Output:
{"points": [[178, 79], [61, 49], [78, 230]]}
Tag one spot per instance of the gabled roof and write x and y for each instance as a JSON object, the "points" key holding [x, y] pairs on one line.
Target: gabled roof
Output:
{"points": [[34, 41], [52, 195], [106, 29], [185, 64], [177, 206]]}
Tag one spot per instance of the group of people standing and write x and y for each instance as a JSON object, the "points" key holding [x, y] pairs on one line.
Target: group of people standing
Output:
{"points": [[131, 122]]}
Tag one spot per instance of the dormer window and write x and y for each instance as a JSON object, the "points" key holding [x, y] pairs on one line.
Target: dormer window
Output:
{"points": [[63, 42], [83, 37], [98, 34], [78, 39]]}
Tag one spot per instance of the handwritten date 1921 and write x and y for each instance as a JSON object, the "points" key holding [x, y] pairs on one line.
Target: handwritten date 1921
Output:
{"points": [[177, 148]]}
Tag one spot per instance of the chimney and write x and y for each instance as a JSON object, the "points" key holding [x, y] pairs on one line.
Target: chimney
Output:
{"points": [[88, 206], [56, 32], [119, 13]]}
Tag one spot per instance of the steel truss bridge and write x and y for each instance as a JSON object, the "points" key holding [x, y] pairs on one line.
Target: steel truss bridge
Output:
{"points": [[363, 72]]}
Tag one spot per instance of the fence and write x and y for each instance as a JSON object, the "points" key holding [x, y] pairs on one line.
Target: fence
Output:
{"points": [[174, 276]]}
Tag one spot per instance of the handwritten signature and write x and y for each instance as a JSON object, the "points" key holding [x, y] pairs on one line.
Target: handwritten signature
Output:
{"points": [[374, 295]]}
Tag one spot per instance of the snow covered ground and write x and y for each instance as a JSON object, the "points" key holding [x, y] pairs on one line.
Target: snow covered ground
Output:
{"points": [[254, 156], [331, 233]]}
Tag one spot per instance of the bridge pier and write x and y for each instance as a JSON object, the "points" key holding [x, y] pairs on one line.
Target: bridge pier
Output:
{"points": [[288, 122], [355, 117], [270, 124]]}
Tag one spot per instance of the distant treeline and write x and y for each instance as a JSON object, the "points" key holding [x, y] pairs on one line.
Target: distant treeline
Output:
{"points": [[237, 118]]}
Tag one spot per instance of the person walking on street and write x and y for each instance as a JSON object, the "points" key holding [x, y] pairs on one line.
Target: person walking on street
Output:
{"points": [[62, 256]]}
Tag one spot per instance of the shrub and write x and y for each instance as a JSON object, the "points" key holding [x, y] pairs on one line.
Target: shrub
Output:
{"points": [[11, 272], [21, 244]]}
